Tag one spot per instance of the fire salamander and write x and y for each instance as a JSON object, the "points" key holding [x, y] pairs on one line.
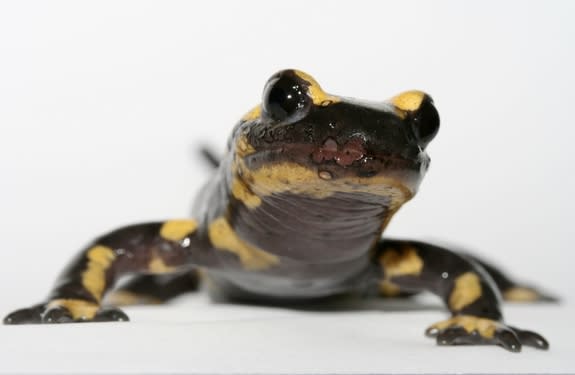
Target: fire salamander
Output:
{"points": [[295, 211]]}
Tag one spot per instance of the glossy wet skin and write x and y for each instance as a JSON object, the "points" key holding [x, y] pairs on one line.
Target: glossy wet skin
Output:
{"points": [[295, 211], [349, 164], [336, 137]]}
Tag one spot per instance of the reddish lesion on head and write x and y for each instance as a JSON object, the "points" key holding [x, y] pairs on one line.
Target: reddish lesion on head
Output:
{"points": [[344, 155]]}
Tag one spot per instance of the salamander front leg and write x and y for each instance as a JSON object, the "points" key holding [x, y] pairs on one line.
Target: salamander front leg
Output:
{"points": [[468, 291], [161, 247]]}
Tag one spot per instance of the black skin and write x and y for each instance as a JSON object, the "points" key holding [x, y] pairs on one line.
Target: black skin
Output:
{"points": [[295, 211]]}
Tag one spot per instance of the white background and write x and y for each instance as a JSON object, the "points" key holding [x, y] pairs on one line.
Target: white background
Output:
{"points": [[102, 105]]}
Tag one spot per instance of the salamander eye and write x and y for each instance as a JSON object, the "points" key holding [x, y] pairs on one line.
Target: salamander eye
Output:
{"points": [[420, 113], [284, 95], [425, 121]]}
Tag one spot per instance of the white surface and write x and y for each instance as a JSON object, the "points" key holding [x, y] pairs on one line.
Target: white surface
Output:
{"points": [[195, 337], [102, 102]]}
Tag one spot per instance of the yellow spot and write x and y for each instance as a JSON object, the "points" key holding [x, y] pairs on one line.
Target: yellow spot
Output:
{"points": [[315, 92], [254, 114], [243, 147], [520, 294], [467, 289], [94, 277], [177, 230], [157, 265], [408, 101], [225, 238], [484, 327], [389, 289], [79, 309], [401, 263], [125, 298], [294, 178], [241, 192]]}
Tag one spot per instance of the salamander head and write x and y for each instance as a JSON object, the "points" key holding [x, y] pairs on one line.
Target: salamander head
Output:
{"points": [[303, 140]]}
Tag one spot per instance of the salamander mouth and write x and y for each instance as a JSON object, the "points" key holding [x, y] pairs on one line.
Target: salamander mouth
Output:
{"points": [[352, 158], [331, 161]]}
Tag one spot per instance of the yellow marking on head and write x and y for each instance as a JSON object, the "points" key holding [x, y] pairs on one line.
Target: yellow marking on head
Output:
{"points": [[409, 100], [243, 147], [254, 114], [241, 192], [315, 92], [405, 262], [94, 277], [467, 289], [223, 237], [177, 230], [520, 294], [79, 309], [389, 289], [484, 327], [157, 265], [125, 298], [294, 178]]}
